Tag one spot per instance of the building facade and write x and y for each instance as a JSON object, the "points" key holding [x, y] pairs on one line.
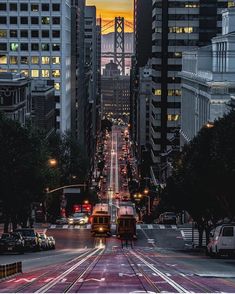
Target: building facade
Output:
{"points": [[115, 93], [177, 26], [15, 96], [35, 39], [208, 80]]}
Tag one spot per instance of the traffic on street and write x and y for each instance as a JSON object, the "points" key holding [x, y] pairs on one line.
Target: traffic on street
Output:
{"points": [[146, 258]]}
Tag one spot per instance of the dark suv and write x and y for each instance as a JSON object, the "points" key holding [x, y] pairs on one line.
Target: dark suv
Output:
{"points": [[30, 238], [12, 242]]}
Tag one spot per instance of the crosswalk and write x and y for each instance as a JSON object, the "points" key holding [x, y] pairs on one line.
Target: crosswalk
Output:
{"points": [[138, 227], [192, 236]]}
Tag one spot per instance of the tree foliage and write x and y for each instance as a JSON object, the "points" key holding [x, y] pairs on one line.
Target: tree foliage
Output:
{"points": [[204, 173]]}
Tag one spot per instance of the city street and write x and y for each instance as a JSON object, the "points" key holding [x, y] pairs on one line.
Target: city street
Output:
{"points": [[161, 259]]}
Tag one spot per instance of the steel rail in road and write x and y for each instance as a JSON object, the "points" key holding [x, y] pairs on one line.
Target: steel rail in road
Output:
{"points": [[171, 282], [55, 281], [139, 271], [51, 271], [198, 287], [84, 275]]}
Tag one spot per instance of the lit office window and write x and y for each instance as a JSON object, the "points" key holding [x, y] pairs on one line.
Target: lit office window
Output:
{"points": [[45, 60], [34, 7], [24, 60], [157, 92], [46, 20], [45, 73], [24, 72], [57, 86], [34, 59], [55, 47], [13, 60], [14, 46], [3, 33], [56, 73], [3, 59], [173, 117], [55, 60], [34, 73]]}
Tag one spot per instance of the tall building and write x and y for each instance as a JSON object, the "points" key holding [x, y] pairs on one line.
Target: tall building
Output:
{"points": [[78, 70], [142, 54], [92, 55], [115, 93], [35, 39], [177, 26], [208, 80]]}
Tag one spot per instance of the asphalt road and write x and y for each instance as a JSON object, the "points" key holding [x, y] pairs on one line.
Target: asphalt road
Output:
{"points": [[160, 260]]}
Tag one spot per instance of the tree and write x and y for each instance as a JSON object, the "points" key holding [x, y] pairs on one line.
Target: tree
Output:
{"points": [[203, 175], [24, 170]]}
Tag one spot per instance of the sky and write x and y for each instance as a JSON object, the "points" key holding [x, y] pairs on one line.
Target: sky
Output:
{"points": [[108, 9]]}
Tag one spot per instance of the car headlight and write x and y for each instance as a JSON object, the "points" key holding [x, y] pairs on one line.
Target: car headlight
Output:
{"points": [[101, 229]]}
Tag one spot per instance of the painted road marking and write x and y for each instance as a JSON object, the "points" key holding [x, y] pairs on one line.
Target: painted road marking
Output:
{"points": [[25, 280], [150, 226], [65, 226], [52, 226], [161, 226], [91, 279]]}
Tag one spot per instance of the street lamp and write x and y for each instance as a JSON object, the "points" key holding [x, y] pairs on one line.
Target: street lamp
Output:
{"points": [[52, 162]]}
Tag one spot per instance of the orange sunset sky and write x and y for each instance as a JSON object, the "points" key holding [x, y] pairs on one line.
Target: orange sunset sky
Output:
{"points": [[108, 9]]}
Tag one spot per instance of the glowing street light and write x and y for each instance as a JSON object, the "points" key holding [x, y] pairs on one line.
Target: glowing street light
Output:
{"points": [[52, 162]]}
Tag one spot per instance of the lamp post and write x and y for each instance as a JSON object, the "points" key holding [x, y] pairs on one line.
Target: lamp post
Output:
{"points": [[146, 191]]}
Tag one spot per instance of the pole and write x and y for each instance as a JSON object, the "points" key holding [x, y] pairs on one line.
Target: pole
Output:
{"points": [[149, 205]]}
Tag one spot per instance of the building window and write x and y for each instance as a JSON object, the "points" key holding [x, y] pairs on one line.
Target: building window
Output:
{"points": [[57, 86], [24, 47], [3, 20], [34, 46], [157, 92], [45, 34], [24, 6], [24, 20], [45, 60], [13, 20], [45, 47], [14, 46], [45, 7], [173, 117], [24, 34], [56, 73], [13, 6], [13, 33], [3, 46], [56, 20], [45, 73], [34, 20], [3, 59], [34, 7], [56, 34], [24, 60], [13, 60], [56, 7], [25, 72], [34, 73], [3, 7], [3, 33], [45, 20], [56, 60], [55, 47], [34, 34], [35, 60]]}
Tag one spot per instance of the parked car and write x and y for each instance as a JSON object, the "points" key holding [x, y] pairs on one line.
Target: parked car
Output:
{"points": [[31, 240], [44, 241], [12, 242], [167, 218], [222, 240], [51, 242], [61, 221], [79, 218]]}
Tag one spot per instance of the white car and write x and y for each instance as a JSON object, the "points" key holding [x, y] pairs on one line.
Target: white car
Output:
{"points": [[79, 218], [222, 240]]}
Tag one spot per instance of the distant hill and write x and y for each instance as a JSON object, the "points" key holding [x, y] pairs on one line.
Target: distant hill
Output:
{"points": [[107, 42]]}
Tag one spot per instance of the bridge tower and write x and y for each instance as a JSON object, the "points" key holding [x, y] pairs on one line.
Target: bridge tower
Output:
{"points": [[119, 44]]}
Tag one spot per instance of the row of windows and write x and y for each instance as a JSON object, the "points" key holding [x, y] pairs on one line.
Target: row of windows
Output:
{"points": [[33, 7], [27, 60], [33, 20], [178, 4], [33, 47], [32, 33], [171, 92]]}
